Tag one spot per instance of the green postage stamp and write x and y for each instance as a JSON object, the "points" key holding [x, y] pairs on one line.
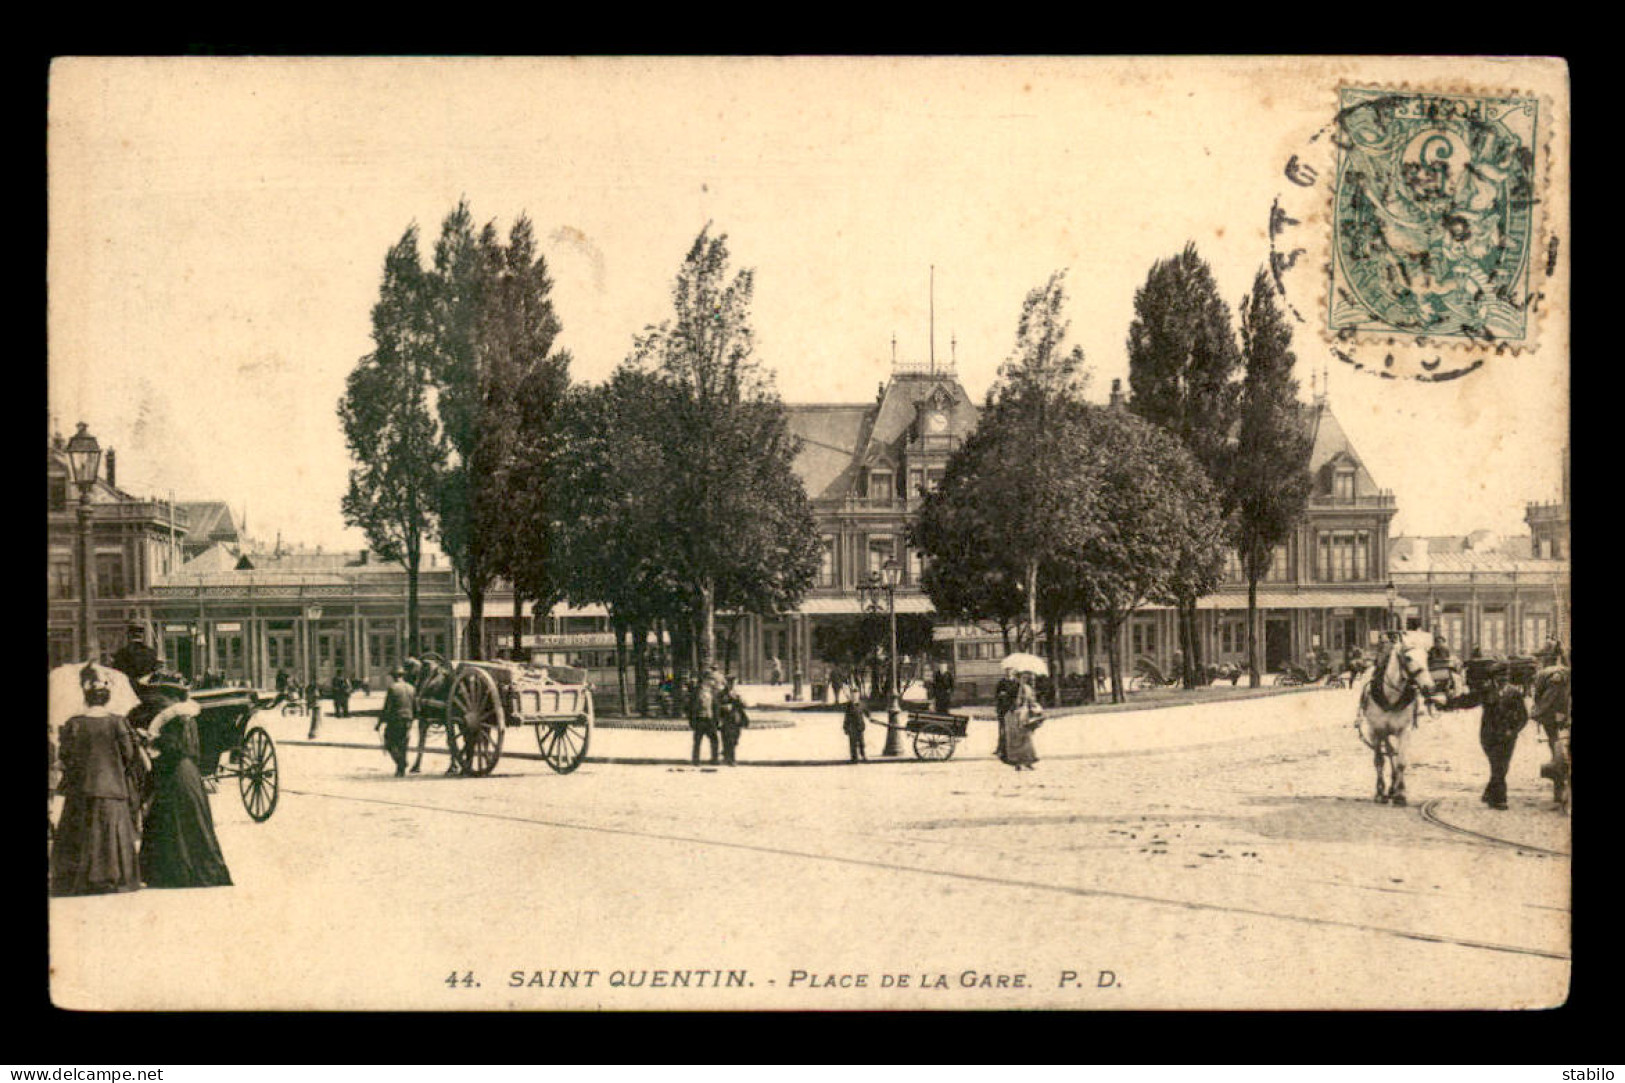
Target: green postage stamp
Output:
{"points": [[1433, 216]]}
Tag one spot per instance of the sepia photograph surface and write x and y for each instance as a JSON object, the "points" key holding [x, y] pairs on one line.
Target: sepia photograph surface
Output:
{"points": [[808, 533]]}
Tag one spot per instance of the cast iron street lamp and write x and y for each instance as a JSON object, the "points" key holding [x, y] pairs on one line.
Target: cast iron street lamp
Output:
{"points": [[84, 463], [885, 582], [313, 613], [1392, 594]]}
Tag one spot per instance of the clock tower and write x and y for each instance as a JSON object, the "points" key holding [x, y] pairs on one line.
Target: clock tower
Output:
{"points": [[932, 440]]}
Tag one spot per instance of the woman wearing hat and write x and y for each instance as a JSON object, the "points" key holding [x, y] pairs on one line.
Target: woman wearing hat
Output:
{"points": [[94, 850], [178, 843], [1017, 725]]}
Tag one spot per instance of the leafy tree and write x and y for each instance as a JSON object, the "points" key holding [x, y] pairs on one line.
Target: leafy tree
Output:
{"points": [[524, 327], [963, 573], [1183, 365], [741, 527], [390, 429], [1018, 486], [1153, 496], [610, 545], [493, 327], [1269, 473]]}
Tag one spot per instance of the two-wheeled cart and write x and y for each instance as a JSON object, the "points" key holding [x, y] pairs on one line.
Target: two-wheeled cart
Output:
{"points": [[478, 702], [935, 735]]}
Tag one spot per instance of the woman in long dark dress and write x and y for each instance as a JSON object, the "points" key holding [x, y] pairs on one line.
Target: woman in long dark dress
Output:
{"points": [[178, 844], [94, 849]]}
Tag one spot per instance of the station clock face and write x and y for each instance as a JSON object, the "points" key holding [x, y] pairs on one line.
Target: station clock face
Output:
{"points": [[936, 421]]}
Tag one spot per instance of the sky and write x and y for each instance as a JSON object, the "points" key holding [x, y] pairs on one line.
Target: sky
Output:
{"points": [[218, 229]]}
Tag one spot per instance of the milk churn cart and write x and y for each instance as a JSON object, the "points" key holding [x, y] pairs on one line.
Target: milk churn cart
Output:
{"points": [[479, 702]]}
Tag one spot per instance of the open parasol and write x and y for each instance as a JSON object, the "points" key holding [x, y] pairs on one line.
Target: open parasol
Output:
{"points": [[64, 698], [1022, 662]]}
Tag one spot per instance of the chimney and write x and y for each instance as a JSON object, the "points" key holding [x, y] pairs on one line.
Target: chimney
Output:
{"points": [[112, 469], [1117, 399]]}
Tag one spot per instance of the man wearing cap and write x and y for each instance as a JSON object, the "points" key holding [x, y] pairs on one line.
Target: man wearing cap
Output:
{"points": [[704, 710], [731, 718], [396, 718], [1503, 718], [1005, 695], [135, 659], [1552, 713]]}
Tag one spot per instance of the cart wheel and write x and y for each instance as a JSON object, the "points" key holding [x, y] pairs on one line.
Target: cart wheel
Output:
{"points": [[474, 716], [932, 741], [564, 744], [257, 775]]}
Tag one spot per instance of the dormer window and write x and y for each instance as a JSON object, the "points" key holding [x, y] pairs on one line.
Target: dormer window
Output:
{"points": [[1343, 486], [880, 487]]}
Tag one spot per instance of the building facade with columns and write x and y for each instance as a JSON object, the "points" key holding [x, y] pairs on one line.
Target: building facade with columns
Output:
{"points": [[245, 617], [1500, 595]]}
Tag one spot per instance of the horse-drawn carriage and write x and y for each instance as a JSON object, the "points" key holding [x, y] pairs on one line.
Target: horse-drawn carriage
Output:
{"points": [[230, 746], [476, 703]]}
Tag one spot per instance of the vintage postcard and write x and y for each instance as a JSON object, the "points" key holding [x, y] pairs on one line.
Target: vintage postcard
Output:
{"points": [[809, 533]]}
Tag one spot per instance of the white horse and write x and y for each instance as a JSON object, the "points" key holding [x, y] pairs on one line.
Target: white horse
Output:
{"points": [[1389, 705]]}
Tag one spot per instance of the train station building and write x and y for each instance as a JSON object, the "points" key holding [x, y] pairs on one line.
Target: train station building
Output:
{"points": [[1503, 595], [218, 603]]}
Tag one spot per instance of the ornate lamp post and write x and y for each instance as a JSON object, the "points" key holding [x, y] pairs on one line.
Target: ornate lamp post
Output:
{"points": [[1393, 594], [84, 463], [313, 613], [885, 582]]}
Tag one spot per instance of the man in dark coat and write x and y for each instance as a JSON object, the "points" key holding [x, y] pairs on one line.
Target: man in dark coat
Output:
{"points": [[702, 714], [1504, 717], [853, 723], [1005, 695], [341, 696], [396, 718], [942, 691], [731, 718], [136, 660]]}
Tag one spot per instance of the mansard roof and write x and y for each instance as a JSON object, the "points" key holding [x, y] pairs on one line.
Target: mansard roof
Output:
{"points": [[830, 437], [1331, 444], [208, 519], [840, 438]]}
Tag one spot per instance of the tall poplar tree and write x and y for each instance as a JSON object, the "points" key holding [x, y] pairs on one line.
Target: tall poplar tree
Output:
{"points": [[1269, 472], [390, 428], [492, 329], [1183, 365], [737, 513]]}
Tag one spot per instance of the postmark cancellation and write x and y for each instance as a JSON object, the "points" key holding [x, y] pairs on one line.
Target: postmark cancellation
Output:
{"points": [[1423, 213]]}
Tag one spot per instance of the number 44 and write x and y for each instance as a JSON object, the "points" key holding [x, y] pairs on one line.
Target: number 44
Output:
{"points": [[466, 980]]}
